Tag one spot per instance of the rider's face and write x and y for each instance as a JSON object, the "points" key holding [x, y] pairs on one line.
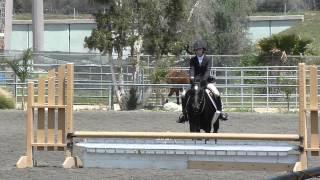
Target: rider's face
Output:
{"points": [[199, 52]]}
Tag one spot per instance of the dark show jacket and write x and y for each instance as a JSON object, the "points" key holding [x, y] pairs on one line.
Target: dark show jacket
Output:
{"points": [[197, 70]]}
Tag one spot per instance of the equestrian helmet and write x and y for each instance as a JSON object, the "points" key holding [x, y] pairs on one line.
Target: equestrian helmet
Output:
{"points": [[200, 44]]}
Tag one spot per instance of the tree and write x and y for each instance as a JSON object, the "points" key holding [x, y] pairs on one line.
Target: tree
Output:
{"points": [[231, 22], [280, 6], [274, 51], [222, 23], [114, 32], [128, 23], [273, 48], [312, 4], [287, 90], [163, 28], [22, 68], [17, 6]]}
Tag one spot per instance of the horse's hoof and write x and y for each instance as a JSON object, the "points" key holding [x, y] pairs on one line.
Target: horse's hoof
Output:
{"points": [[224, 116]]}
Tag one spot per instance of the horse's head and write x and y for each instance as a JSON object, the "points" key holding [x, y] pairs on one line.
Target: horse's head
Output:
{"points": [[196, 98]]}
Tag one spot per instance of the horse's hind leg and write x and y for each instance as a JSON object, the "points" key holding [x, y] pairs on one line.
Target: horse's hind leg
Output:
{"points": [[177, 96], [170, 94]]}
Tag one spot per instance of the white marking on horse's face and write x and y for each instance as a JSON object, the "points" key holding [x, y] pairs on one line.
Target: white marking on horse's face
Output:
{"points": [[196, 87]]}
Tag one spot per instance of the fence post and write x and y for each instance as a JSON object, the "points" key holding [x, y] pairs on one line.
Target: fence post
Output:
{"points": [[112, 91], [241, 81], [252, 99], [101, 89], [226, 84], [109, 97], [142, 77], [15, 89], [268, 89]]}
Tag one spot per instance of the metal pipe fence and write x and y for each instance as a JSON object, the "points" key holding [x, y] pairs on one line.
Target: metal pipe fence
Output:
{"points": [[242, 88]]}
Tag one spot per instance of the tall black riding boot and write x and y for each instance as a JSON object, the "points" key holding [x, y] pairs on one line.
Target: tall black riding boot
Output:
{"points": [[183, 116]]}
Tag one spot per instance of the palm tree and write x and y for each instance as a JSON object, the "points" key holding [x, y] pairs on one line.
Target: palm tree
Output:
{"points": [[22, 69]]}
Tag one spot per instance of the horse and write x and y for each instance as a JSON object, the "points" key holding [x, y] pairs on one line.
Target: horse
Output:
{"points": [[203, 108], [177, 77]]}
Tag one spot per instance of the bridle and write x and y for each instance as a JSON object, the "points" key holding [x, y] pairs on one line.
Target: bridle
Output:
{"points": [[197, 102]]}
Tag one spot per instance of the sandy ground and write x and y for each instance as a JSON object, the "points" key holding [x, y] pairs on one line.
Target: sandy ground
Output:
{"points": [[12, 144]]}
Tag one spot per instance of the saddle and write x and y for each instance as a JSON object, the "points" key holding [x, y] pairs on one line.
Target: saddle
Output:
{"points": [[210, 90], [214, 96]]}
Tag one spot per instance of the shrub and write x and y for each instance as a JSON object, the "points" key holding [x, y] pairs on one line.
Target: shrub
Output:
{"points": [[6, 103], [292, 44]]}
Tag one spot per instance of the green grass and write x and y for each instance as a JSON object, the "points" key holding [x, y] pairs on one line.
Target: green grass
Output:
{"points": [[90, 100], [6, 103], [310, 28], [243, 109], [27, 16], [275, 13]]}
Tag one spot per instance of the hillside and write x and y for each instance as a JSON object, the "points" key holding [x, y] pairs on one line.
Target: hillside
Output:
{"points": [[310, 28]]}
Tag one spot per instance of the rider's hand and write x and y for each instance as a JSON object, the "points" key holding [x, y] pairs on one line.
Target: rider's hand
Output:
{"points": [[211, 79], [203, 83]]}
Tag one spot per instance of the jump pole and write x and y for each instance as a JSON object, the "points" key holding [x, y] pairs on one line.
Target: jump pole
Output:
{"points": [[181, 135]]}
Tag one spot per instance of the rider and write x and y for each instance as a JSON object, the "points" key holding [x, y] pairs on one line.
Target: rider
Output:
{"points": [[200, 66]]}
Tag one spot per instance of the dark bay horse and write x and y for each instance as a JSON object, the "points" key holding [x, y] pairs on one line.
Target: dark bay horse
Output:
{"points": [[177, 77], [203, 109]]}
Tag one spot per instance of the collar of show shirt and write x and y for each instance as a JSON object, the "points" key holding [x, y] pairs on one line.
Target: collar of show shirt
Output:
{"points": [[200, 58]]}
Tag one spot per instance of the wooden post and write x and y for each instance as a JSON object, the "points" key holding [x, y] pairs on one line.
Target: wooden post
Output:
{"points": [[314, 139], [303, 164], [61, 136], [70, 77], [27, 160], [70, 160], [51, 111], [41, 113]]}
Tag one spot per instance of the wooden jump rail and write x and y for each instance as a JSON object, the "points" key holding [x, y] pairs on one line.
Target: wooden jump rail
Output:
{"points": [[65, 134], [178, 135]]}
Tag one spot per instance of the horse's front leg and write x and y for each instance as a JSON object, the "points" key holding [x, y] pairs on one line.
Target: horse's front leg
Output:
{"points": [[207, 130], [215, 129], [194, 127]]}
